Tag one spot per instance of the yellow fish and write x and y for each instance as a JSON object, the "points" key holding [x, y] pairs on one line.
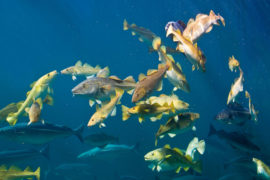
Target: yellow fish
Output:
{"points": [[14, 173], [233, 64], [236, 88]]}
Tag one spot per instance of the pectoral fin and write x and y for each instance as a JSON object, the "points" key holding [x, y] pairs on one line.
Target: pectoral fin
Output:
{"points": [[171, 135], [209, 29], [159, 88], [74, 78], [113, 112], [91, 103]]}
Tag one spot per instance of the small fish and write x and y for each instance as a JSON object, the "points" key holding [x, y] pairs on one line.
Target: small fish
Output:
{"points": [[100, 89], [177, 124], [164, 100], [174, 74], [235, 140], [16, 173], [233, 64], [146, 84], [38, 133], [252, 110], [191, 51], [144, 110], [108, 152], [176, 25], [201, 25], [22, 155], [11, 108], [145, 35], [105, 110], [234, 114], [236, 88], [84, 70], [262, 168], [39, 87], [100, 140], [168, 159], [34, 111]]}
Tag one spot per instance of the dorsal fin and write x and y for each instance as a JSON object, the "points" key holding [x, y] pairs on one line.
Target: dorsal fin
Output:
{"points": [[32, 84], [141, 76], [179, 66], [115, 78], [178, 151], [191, 20], [151, 71], [87, 65], [28, 169], [14, 168], [78, 63], [199, 15], [129, 79], [167, 146]]}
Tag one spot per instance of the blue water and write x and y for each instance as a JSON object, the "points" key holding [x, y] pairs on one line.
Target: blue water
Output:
{"points": [[40, 36]]}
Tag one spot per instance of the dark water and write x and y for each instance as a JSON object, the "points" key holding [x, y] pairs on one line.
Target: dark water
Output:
{"points": [[40, 36]]}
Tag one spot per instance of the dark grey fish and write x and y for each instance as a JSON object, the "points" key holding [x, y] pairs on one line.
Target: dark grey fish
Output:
{"points": [[99, 88], [236, 140], [235, 114], [100, 140], [38, 133], [176, 25], [16, 156]]}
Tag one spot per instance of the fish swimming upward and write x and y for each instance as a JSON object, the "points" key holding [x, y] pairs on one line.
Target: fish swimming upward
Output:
{"points": [[149, 83], [236, 88], [41, 86]]}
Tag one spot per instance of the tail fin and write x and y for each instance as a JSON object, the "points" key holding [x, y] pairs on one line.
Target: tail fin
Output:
{"points": [[48, 100], [212, 13], [125, 113], [222, 20], [201, 147], [12, 119], [125, 25], [37, 173], [212, 130], [156, 43], [105, 72], [198, 166], [78, 132], [45, 152], [194, 145]]}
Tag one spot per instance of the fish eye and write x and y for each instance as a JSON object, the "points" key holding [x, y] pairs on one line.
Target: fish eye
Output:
{"points": [[153, 154], [48, 75]]}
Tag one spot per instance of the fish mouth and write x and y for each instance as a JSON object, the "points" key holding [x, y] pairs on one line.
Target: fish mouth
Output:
{"points": [[147, 158]]}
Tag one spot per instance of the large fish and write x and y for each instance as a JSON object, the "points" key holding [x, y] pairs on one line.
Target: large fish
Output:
{"points": [[236, 140], [100, 139], [174, 74], [177, 124], [100, 89], [85, 70], [108, 152], [234, 114], [191, 51], [16, 156], [149, 83], [38, 133], [39, 87], [106, 110], [14, 173]]}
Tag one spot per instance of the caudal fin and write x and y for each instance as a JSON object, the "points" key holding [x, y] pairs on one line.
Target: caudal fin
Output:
{"points": [[78, 132], [125, 113], [198, 166], [12, 119], [212, 130], [37, 173], [45, 152], [125, 25]]}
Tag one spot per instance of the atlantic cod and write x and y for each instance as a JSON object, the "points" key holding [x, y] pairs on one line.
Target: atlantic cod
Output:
{"points": [[14, 173]]}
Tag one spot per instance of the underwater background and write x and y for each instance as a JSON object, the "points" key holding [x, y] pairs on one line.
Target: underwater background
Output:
{"points": [[40, 36]]}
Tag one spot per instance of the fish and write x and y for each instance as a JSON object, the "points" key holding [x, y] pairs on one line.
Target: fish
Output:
{"points": [[262, 168], [201, 25], [80, 69], [100, 140], [243, 161], [38, 133], [252, 110], [105, 110], [99, 89], [236, 88], [191, 51], [11, 108], [34, 111], [145, 35], [16, 173], [109, 151], [22, 155], [41, 86], [177, 25], [236, 140], [234, 114], [233, 64], [144, 110], [149, 83], [177, 124], [164, 100], [174, 74], [168, 159]]}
